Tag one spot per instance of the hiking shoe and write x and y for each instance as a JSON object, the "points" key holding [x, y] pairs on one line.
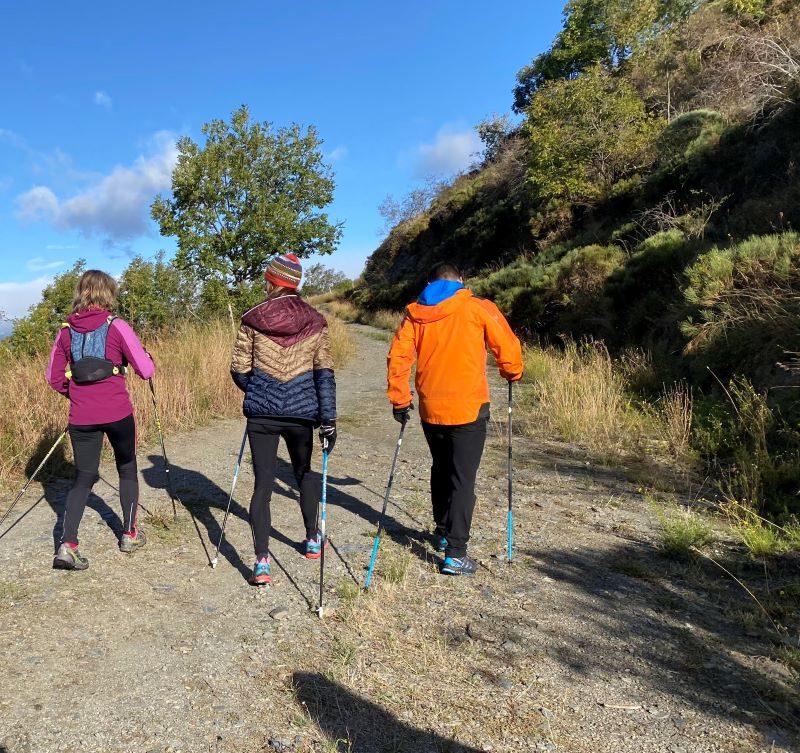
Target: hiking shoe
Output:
{"points": [[68, 558], [262, 575], [312, 548], [439, 543], [130, 543], [459, 566]]}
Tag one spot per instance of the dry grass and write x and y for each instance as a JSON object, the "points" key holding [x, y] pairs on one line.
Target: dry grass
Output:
{"points": [[383, 319], [580, 395], [192, 383], [673, 420]]}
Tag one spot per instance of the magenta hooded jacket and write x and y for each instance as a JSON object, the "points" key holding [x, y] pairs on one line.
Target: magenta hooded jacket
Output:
{"points": [[106, 401]]}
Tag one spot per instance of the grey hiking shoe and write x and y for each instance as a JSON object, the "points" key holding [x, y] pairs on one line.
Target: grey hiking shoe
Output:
{"points": [[129, 544], [68, 558], [459, 566]]}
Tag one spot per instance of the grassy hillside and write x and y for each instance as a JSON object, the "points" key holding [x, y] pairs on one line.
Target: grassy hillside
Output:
{"points": [[648, 199]]}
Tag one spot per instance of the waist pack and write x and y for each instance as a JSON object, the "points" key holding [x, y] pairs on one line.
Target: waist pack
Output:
{"points": [[88, 362]]}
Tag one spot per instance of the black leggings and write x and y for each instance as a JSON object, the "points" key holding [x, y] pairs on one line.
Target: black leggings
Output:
{"points": [[87, 443], [264, 435]]}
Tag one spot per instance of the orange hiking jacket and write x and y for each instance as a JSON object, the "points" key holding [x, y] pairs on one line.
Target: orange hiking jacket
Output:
{"points": [[449, 342]]}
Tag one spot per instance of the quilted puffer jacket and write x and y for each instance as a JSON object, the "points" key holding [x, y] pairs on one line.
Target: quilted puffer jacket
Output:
{"points": [[282, 362]]}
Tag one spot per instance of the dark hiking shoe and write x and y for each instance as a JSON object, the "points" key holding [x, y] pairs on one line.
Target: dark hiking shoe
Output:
{"points": [[439, 542], [459, 566], [262, 575], [68, 558], [130, 543]]}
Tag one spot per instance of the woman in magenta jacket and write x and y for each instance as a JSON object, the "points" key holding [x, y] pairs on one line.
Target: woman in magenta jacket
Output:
{"points": [[87, 365]]}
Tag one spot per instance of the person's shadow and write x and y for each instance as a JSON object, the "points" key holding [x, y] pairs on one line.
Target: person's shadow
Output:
{"points": [[200, 495], [360, 725], [56, 487]]}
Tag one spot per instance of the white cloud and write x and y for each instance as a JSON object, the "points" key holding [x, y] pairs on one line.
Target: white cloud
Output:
{"points": [[60, 247], [116, 205], [339, 153], [17, 297], [38, 264], [453, 150], [102, 100]]}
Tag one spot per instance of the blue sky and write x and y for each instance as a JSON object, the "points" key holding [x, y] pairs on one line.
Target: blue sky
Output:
{"points": [[94, 95]]}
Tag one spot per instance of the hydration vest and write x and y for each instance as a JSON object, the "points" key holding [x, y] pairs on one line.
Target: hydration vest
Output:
{"points": [[88, 362]]}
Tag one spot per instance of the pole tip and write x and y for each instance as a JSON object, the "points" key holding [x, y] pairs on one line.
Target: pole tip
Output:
{"points": [[214, 564]]}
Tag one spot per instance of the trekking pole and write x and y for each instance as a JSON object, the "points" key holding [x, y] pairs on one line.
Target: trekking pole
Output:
{"points": [[322, 537], [33, 476], [163, 450], [230, 497], [383, 511], [510, 510]]}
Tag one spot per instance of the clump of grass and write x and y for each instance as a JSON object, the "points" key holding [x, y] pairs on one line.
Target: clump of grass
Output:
{"points": [[761, 540], [11, 593], [683, 531], [579, 395], [343, 347], [674, 420], [393, 568]]}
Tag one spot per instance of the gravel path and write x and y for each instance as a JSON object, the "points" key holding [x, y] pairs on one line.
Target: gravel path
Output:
{"points": [[591, 642]]}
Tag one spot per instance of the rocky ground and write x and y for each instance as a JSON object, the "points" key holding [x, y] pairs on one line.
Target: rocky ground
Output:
{"points": [[591, 641]]}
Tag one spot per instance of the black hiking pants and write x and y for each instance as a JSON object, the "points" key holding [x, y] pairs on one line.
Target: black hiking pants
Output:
{"points": [[456, 453], [264, 435], [87, 443]]}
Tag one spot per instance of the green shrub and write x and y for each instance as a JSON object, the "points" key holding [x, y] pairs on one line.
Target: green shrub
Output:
{"points": [[690, 135]]}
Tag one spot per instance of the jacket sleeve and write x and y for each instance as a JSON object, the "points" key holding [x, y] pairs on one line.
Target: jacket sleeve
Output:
{"points": [[503, 343], [402, 355], [133, 351], [57, 365], [324, 379], [242, 362]]}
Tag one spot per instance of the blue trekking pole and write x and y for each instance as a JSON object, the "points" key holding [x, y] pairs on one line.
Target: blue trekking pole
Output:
{"points": [[322, 538], [383, 511], [230, 497], [510, 510]]}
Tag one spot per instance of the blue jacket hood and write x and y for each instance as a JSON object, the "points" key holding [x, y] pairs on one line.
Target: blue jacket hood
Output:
{"points": [[438, 291]]}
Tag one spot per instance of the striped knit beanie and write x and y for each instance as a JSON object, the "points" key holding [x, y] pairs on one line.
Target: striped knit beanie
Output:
{"points": [[284, 271]]}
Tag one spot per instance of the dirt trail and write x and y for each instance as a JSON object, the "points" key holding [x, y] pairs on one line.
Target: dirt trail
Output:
{"points": [[591, 642]]}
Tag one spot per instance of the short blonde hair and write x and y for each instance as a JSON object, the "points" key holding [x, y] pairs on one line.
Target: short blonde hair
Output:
{"points": [[95, 288]]}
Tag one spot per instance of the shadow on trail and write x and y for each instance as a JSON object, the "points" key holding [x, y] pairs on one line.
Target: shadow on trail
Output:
{"points": [[199, 495], [55, 489], [683, 624], [362, 726]]}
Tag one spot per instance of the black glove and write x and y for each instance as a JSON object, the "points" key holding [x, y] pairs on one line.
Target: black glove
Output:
{"points": [[402, 415], [327, 435]]}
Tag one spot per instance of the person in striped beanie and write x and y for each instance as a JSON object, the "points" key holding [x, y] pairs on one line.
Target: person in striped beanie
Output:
{"points": [[282, 362], [284, 271]]}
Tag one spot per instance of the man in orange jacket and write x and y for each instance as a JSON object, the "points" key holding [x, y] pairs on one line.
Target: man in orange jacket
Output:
{"points": [[447, 332]]}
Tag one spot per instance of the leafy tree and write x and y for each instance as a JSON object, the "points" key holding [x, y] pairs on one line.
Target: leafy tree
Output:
{"points": [[603, 32], [412, 204], [493, 133], [34, 333], [318, 279], [250, 192], [154, 294], [585, 135]]}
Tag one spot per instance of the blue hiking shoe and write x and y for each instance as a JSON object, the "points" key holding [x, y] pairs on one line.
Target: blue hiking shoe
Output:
{"points": [[439, 543], [459, 566], [262, 575], [312, 548]]}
